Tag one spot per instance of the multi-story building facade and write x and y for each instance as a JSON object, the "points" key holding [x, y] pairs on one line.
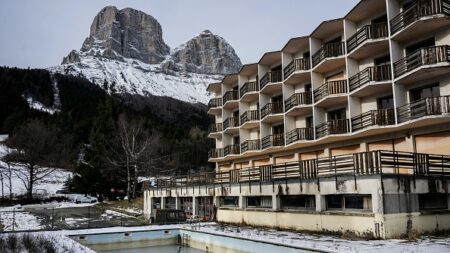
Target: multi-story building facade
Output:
{"points": [[346, 129]]}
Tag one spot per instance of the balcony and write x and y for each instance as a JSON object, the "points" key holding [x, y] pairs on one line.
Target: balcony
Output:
{"points": [[420, 19], [215, 153], [215, 106], [271, 82], [233, 149], [249, 91], [297, 71], [231, 99], [382, 117], [330, 93], [231, 124], [422, 64], [300, 134], [328, 57], [250, 119], [371, 80], [275, 140], [250, 145], [215, 130], [369, 40], [433, 106], [299, 103], [271, 112], [332, 127]]}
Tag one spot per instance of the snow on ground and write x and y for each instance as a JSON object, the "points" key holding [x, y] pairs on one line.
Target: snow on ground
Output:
{"points": [[19, 220], [110, 214]]}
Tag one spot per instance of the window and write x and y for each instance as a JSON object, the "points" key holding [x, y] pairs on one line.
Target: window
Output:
{"points": [[277, 99], [230, 201], [298, 202], [424, 43], [436, 201], [349, 202], [337, 114], [424, 92], [309, 122], [170, 203], [276, 68], [385, 103], [259, 201], [157, 203], [307, 87], [278, 129], [236, 139], [381, 19], [382, 60]]}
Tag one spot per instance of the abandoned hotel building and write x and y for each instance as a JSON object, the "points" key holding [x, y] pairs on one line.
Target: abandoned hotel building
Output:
{"points": [[344, 130]]}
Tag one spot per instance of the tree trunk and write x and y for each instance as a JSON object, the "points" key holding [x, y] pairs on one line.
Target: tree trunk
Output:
{"points": [[128, 180], [10, 181], [30, 182], [135, 180], [3, 188]]}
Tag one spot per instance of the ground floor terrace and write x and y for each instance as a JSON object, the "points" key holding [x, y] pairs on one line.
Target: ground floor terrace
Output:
{"points": [[377, 194]]}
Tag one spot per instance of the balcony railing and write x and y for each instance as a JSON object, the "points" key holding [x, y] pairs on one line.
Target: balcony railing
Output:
{"points": [[300, 134], [334, 49], [215, 102], [296, 65], [215, 153], [424, 107], [230, 95], [330, 88], [368, 32], [250, 145], [370, 74], [231, 122], [270, 77], [233, 149], [304, 98], [273, 140], [422, 57], [249, 87], [339, 126], [382, 117], [271, 108], [214, 128], [249, 116], [418, 10]]}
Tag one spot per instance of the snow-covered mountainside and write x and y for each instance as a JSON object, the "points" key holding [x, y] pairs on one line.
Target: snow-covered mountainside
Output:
{"points": [[126, 47]]}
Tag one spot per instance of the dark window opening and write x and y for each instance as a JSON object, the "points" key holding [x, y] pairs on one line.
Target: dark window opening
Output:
{"points": [[157, 203], [231, 201], [381, 19], [277, 99], [437, 201], [278, 129], [306, 54], [259, 201], [276, 68], [346, 202], [337, 114], [424, 92], [385, 102], [309, 122], [307, 87], [421, 44], [298, 202], [338, 39], [383, 60]]}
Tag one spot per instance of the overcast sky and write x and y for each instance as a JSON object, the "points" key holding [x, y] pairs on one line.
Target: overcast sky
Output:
{"points": [[40, 33]]}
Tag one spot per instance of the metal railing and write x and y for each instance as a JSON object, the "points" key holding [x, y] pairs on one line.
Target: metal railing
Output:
{"points": [[300, 134], [233, 149], [370, 74], [215, 153], [273, 140], [214, 128], [338, 126], [271, 108], [330, 88], [367, 32], [215, 102], [418, 10], [249, 116], [231, 122], [424, 107], [270, 77], [378, 162], [303, 98], [249, 87], [381, 117], [250, 145], [296, 65], [421, 57], [334, 49], [230, 95]]}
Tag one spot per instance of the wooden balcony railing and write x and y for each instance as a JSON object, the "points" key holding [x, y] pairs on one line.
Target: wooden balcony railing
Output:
{"points": [[233, 149], [370, 74], [375, 162], [249, 87], [249, 116], [215, 102], [296, 65], [418, 10], [273, 140], [422, 57], [215, 153], [214, 128], [330, 88], [271, 108], [303, 98], [339, 126], [382, 117], [231, 122], [368, 32], [270, 77], [424, 107], [250, 145], [328, 50], [300, 134], [230, 95]]}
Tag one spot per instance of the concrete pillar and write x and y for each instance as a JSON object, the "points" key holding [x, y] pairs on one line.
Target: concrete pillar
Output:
{"points": [[195, 206], [241, 202], [177, 203], [276, 202], [321, 204], [163, 203], [216, 201]]}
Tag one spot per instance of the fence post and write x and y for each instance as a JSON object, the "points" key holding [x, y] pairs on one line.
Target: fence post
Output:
{"points": [[53, 216], [89, 216], [14, 219]]}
